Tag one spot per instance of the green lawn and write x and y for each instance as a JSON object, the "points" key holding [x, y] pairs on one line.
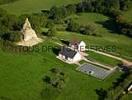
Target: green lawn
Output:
{"points": [[29, 6], [103, 59], [122, 44], [21, 73], [21, 77]]}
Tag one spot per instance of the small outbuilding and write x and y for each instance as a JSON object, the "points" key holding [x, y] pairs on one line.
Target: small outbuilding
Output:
{"points": [[78, 45]]}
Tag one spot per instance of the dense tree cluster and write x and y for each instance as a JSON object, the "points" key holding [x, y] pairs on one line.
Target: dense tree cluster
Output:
{"points": [[52, 31], [124, 26], [111, 8], [57, 13], [102, 6], [11, 25], [89, 29], [56, 78]]}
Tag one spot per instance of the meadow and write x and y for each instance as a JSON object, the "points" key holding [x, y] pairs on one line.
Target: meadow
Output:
{"points": [[34, 6], [21, 73], [21, 76]]}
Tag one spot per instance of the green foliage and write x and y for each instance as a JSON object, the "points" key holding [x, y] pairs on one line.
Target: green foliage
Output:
{"points": [[52, 31], [12, 36], [88, 29], [120, 86], [55, 81], [7, 21], [56, 78], [124, 26], [73, 26], [102, 6], [57, 12], [38, 21], [71, 9], [102, 94]]}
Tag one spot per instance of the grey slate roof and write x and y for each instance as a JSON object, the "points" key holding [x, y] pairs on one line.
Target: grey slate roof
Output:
{"points": [[67, 52]]}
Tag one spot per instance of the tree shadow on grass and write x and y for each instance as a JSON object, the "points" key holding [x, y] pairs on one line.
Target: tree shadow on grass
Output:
{"points": [[65, 42], [4, 98], [110, 25], [102, 94], [56, 50], [45, 33], [49, 93]]}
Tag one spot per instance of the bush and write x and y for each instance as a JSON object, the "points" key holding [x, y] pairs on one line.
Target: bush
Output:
{"points": [[52, 31], [88, 29], [57, 78], [12, 36], [73, 26]]}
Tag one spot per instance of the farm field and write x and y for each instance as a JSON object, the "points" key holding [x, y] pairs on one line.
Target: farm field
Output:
{"points": [[33, 6]]}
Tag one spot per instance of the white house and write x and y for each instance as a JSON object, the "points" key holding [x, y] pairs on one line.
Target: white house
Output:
{"points": [[79, 46], [69, 55]]}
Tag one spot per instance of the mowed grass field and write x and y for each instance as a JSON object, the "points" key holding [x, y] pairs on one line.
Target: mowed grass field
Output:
{"points": [[33, 6], [21, 77], [102, 59]]}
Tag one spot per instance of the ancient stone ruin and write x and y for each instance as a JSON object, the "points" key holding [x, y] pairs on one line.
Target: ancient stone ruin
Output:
{"points": [[29, 36]]}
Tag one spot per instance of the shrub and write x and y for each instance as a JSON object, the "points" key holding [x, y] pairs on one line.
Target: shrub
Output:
{"points": [[12, 36], [88, 29]]}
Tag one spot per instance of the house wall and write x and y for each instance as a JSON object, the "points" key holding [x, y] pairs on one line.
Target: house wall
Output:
{"points": [[82, 46], [61, 56], [77, 57], [69, 59]]}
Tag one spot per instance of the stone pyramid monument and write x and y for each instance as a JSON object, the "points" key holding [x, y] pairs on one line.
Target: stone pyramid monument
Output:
{"points": [[29, 37]]}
